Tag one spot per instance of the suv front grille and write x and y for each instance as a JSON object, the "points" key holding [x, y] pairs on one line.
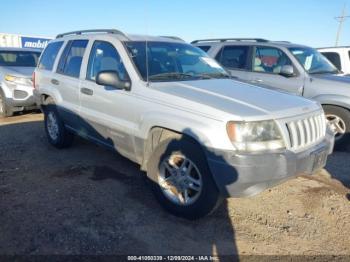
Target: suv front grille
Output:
{"points": [[305, 132]]}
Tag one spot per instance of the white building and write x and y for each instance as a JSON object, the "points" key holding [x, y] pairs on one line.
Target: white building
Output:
{"points": [[21, 41]]}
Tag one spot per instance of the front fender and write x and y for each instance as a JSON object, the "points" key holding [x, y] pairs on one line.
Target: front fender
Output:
{"points": [[337, 100], [198, 130]]}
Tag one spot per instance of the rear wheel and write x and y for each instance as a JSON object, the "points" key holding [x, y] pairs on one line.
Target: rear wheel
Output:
{"points": [[339, 121], [182, 181], [56, 132], [5, 111]]}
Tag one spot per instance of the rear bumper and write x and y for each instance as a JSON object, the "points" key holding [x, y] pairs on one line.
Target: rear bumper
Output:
{"points": [[240, 175]]}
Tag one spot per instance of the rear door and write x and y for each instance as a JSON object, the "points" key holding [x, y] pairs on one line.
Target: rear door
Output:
{"points": [[266, 67], [236, 59], [67, 81]]}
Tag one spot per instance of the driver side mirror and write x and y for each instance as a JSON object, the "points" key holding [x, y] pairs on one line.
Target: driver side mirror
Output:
{"points": [[287, 71], [111, 78]]}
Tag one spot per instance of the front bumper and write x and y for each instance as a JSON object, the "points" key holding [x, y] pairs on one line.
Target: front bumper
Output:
{"points": [[19, 97], [241, 175]]}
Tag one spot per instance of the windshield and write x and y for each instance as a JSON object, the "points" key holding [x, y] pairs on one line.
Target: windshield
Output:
{"points": [[173, 62], [313, 61], [19, 58]]}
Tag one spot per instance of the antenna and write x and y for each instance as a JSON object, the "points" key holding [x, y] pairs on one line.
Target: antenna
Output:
{"points": [[341, 19], [146, 44]]}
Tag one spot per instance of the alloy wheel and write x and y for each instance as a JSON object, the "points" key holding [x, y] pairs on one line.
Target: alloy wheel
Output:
{"points": [[180, 180], [337, 125]]}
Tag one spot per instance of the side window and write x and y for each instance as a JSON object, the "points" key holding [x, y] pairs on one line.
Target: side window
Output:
{"points": [[103, 57], [269, 60], [48, 58], [205, 48], [233, 57], [72, 57], [334, 58]]}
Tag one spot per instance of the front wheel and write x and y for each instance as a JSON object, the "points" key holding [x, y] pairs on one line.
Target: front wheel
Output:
{"points": [[181, 179], [339, 121], [5, 111]]}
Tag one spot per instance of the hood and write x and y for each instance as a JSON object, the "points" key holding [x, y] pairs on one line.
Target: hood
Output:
{"points": [[236, 100], [20, 71], [333, 77]]}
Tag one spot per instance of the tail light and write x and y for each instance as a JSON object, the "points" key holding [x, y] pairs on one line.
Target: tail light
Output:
{"points": [[33, 79]]}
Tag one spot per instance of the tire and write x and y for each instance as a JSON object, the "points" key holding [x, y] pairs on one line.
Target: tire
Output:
{"points": [[342, 116], [56, 132], [5, 110], [203, 201]]}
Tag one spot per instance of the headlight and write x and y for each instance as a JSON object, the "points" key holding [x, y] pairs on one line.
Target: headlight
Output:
{"points": [[18, 80], [255, 136]]}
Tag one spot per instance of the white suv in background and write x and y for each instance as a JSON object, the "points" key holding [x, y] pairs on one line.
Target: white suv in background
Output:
{"points": [[169, 107], [339, 56]]}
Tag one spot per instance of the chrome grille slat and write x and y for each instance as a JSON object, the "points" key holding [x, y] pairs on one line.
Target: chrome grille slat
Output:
{"points": [[304, 132], [308, 131], [317, 127], [301, 132]]}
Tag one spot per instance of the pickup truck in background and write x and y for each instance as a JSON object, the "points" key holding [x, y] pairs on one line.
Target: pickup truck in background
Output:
{"points": [[339, 56]]}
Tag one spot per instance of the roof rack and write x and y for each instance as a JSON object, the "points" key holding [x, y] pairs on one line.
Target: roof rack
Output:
{"points": [[333, 47], [172, 37], [230, 39], [108, 31]]}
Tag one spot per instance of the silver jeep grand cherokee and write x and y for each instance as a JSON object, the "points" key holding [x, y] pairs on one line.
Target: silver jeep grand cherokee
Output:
{"points": [[169, 107]]}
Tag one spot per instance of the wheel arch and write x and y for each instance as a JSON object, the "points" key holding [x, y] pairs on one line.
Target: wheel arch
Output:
{"points": [[158, 134], [333, 100]]}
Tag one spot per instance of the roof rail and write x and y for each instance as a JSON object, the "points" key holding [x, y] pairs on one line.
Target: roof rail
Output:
{"points": [[333, 47], [230, 39], [172, 37], [108, 31]]}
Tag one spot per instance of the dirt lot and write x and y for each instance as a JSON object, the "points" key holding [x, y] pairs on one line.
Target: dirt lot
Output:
{"points": [[87, 200]]}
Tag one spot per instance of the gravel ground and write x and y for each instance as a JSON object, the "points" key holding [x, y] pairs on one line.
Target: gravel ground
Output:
{"points": [[88, 200]]}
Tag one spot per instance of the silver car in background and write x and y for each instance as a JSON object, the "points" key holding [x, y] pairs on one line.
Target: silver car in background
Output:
{"points": [[297, 69], [16, 87]]}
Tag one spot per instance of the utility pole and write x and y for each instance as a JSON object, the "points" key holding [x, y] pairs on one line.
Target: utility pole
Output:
{"points": [[341, 20]]}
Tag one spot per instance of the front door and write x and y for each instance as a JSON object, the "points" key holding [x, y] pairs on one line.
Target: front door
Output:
{"points": [[266, 67], [107, 111]]}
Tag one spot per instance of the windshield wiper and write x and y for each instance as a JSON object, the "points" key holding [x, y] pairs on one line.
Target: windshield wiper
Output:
{"points": [[324, 72], [213, 75], [172, 75]]}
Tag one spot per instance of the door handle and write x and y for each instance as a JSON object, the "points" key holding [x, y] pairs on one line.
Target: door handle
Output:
{"points": [[55, 82], [258, 80], [86, 91]]}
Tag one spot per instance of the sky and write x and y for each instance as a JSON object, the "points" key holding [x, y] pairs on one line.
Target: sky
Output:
{"points": [[309, 22]]}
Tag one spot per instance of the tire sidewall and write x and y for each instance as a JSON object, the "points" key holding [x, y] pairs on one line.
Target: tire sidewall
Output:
{"points": [[61, 129], [7, 112], [209, 196]]}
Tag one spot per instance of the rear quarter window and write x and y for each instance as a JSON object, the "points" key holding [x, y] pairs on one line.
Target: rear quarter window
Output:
{"points": [[334, 58], [49, 55], [205, 48]]}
